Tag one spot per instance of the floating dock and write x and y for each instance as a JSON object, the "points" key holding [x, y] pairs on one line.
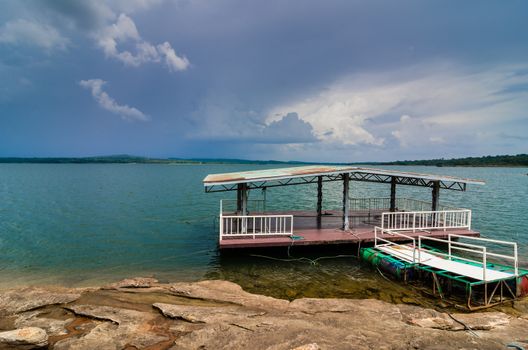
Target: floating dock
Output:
{"points": [[246, 223], [407, 234]]}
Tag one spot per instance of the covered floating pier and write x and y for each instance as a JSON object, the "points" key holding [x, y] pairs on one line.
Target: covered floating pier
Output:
{"points": [[246, 223]]}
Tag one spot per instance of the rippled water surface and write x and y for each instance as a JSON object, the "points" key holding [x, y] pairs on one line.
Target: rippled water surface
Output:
{"points": [[88, 224]]}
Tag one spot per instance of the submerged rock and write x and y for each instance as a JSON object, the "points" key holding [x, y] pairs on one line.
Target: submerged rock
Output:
{"points": [[24, 338]]}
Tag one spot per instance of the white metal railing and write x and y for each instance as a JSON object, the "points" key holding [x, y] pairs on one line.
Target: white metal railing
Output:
{"points": [[426, 220], [255, 225], [402, 204], [514, 257], [473, 249], [386, 242], [253, 205], [369, 203]]}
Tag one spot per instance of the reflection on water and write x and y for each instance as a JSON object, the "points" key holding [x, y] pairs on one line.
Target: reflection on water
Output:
{"points": [[81, 225]]}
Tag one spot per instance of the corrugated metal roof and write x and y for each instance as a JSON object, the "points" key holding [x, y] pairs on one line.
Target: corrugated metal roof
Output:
{"points": [[316, 170]]}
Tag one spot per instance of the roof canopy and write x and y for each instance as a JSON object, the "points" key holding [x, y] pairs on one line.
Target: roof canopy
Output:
{"points": [[309, 174]]}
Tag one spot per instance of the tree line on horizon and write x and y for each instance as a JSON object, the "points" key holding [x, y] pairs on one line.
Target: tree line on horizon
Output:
{"points": [[499, 160]]}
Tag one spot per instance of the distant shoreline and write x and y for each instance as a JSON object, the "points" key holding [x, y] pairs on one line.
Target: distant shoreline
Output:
{"points": [[519, 160]]}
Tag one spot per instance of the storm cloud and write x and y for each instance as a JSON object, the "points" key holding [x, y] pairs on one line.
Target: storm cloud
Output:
{"points": [[338, 80]]}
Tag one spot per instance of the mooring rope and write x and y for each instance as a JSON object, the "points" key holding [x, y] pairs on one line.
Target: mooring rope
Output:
{"points": [[311, 261]]}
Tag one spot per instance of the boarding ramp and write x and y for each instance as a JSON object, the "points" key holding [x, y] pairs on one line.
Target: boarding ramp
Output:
{"points": [[481, 269], [418, 253]]}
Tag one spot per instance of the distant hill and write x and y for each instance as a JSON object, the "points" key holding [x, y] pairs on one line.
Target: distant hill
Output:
{"points": [[486, 161], [242, 161], [99, 159], [128, 159]]}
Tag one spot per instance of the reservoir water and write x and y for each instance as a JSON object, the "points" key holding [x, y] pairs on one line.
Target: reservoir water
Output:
{"points": [[89, 224]]}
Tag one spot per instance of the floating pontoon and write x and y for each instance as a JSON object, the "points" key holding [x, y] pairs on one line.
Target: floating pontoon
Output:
{"points": [[485, 270]]}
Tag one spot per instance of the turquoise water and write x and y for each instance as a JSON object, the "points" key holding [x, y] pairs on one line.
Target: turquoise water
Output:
{"points": [[87, 224]]}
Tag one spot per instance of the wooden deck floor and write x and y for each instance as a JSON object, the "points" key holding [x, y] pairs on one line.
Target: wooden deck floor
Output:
{"points": [[329, 232]]}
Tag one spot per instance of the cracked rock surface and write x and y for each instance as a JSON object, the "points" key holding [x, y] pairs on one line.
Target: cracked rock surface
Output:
{"points": [[142, 313]]}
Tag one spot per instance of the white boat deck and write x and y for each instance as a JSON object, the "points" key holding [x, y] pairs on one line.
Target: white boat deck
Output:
{"points": [[405, 252]]}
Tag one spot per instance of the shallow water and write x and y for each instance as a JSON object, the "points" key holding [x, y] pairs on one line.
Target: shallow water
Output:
{"points": [[88, 224]]}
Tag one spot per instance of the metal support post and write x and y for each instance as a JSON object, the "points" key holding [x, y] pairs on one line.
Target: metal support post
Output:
{"points": [[346, 201]]}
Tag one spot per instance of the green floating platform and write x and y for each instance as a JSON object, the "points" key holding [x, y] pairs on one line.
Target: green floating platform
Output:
{"points": [[477, 293]]}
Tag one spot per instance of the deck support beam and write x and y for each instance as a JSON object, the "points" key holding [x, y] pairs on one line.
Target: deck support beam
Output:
{"points": [[346, 201], [319, 200], [242, 197], [435, 196], [239, 198], [393, 194]]}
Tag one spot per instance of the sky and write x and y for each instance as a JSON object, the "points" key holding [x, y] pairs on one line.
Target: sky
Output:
{"points": [[328, 81]]}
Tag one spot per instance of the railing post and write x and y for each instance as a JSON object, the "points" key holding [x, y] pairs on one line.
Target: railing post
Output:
{"points": [[449, 246], [469, 220], [221, 223], [419, 249], [414, 251], [414, 222], [484, 263], [221, 227], [515, 259], [346, 201]]}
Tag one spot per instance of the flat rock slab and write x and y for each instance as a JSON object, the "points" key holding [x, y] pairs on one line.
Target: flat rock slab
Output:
{"points": [[118, 327], [175, 316], [20, 300], [227, 292], [427, 318], [136, 282], [24, 338], [108, 313], [53, 327], [206, 314]]}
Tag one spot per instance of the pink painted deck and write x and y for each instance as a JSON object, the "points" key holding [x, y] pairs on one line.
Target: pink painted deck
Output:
{"points": [[328, 232]]}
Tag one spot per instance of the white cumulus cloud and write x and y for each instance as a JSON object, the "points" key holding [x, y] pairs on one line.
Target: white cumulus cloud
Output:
{"points": [[420, 108], [108, 103], [28, 33], [172, 60], [124, 31]]}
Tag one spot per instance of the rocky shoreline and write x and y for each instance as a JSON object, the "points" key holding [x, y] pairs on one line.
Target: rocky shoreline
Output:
{"points": [[141, 313]]}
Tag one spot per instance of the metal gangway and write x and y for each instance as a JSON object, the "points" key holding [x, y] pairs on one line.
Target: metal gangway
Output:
{"points": [[474, 264]]}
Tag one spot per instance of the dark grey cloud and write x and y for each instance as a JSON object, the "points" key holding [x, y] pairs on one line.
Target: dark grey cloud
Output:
{"points": [[85, 15], [289, 129], [252, 59]]}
